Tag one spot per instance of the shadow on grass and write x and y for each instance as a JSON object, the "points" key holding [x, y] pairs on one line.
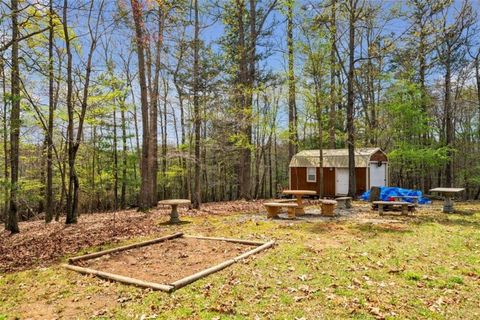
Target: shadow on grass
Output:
{"points": [[168, 223], [330, 226], [463, 213], [449, 220], [381, 228]]}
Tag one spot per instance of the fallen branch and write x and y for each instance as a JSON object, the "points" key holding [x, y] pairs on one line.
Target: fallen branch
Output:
{"points": [[194, 277], [122, 279], [253, 251], [247, 242]]}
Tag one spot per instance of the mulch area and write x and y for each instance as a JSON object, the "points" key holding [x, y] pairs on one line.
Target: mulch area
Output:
{"points": [[39, 244]]}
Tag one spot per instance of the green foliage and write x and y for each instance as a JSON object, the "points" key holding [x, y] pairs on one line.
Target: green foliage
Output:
{"points": [[414, 155], [408, 125], [403, 111]]}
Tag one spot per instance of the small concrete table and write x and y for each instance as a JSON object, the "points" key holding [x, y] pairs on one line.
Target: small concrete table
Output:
{"points": [[414, 198], [448, 193], [299, 194], [174, 203]]}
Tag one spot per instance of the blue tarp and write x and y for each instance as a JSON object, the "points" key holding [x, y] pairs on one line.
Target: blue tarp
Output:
{"points": [[387, 192]]}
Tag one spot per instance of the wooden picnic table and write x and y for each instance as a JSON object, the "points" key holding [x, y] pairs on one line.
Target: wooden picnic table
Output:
{"points": [[414, 198], [299, 194], [174, 203], [448, 193]]}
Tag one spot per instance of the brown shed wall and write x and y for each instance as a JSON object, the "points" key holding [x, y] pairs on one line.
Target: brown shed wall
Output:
{"points": [[361, 180], [298, 178]]}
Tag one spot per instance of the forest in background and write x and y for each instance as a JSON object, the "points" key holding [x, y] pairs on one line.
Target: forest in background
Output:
{"points": [[115, 104]]}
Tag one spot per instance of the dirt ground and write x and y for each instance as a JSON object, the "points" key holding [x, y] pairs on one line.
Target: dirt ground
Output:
{"points": [[167, 261]]}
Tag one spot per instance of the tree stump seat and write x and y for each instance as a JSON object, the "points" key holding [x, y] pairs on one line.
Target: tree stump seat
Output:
{"points": [[328, 207]]}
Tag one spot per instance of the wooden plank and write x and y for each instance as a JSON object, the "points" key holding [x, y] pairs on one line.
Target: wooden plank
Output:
{"points": [[187, 280], [194, 277], [247, 242], [253, 251], [122, 279], [127, 247], [278, 204]]}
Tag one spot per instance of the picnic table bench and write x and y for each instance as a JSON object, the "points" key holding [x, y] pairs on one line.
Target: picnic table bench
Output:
{"points": [[344, 202], [274, 207], [406, 206], [414, 199]]}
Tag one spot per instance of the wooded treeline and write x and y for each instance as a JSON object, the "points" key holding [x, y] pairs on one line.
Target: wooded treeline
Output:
{"points": [[115, 104]]}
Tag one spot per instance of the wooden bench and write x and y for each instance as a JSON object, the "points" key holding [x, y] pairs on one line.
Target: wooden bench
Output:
{"points": [[274, 207], [406, 206], [328, 207], [344, 202]]}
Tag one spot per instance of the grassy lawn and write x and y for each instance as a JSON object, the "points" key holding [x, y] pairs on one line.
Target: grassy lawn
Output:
{"points": [[366, 267]]}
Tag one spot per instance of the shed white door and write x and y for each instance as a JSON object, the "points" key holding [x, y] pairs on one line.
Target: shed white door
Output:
{"points": [[341, 181], [378, 175]]}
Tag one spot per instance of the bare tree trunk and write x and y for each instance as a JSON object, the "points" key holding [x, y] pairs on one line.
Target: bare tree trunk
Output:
{"points": [[115, 160], [197, 200], [448, 124], [165, 136], [292, 109], [244, 166], [145, 197], [12, 219], [153, 159], [74, 142], [71, 214], [318, 108], [94, 164], [49, 188], [333, 89], [183, 162], [477, 78], [5, 141], [123, 191], [350, 100]]}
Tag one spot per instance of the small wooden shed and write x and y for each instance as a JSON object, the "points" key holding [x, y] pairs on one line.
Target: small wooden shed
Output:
{"points": [[371, 169]]}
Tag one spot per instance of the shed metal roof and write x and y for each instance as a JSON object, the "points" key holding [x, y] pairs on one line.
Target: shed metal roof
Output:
{"points": [[332, 158]]}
